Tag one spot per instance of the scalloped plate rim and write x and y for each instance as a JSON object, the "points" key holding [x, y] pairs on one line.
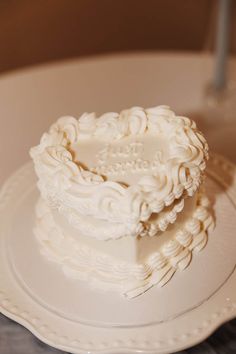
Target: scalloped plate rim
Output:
{"points": [[195, 339]]}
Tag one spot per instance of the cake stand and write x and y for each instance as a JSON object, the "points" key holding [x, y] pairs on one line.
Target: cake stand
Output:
{"points": [[69, 315]]}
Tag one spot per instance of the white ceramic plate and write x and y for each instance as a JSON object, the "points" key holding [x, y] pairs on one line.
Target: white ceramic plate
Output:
{"points": [[67, 314]]}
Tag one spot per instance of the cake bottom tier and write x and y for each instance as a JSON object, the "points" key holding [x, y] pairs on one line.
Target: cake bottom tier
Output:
{"points": [[102, 270]]}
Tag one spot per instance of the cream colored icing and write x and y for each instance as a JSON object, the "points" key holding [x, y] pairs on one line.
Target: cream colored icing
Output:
{"points": [[123, 247], [120, 185], [125, 265]]}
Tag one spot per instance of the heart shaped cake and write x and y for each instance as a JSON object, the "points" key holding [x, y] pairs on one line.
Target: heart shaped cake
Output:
{"points": [[120, 200]]}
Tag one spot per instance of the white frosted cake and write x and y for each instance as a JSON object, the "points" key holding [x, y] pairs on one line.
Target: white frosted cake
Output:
{"points": [[121, 206]]}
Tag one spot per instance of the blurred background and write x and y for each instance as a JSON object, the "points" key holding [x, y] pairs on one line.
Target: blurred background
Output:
{"points": [[33, 32]]}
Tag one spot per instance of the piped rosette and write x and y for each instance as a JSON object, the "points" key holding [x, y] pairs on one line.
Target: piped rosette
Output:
{"points": [[125, 191]]}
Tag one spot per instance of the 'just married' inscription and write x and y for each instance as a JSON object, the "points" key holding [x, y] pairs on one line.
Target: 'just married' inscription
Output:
{"points": [[131, 150], [120, 159]]}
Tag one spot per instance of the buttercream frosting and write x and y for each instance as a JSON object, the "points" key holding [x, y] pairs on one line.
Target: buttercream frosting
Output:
{"points": [[122, 187], [120, 205], [105, 270]]}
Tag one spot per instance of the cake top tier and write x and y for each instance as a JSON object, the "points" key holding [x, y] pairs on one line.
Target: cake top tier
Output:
{"points": [[120, 168]]}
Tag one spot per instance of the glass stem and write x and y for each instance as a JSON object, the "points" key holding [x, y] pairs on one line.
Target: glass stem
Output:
{"points": [[222, 44]]}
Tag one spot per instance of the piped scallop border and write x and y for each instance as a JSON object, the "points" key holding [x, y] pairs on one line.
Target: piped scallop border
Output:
{"points": [[62, 181], [131, 280]]}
